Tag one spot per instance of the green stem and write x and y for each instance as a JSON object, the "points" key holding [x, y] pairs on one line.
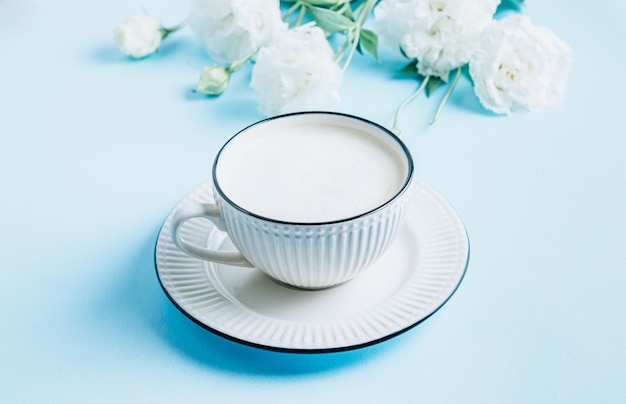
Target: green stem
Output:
{"points": [[341, 50], [342, 8], [166, 31], [355, 42], [300, 16], [291, 10], [363, 10], [447, 95], [404, 103], [238, 64]]}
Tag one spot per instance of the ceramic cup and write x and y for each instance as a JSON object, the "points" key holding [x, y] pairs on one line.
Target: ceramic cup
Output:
{"points": [[311, 199]]}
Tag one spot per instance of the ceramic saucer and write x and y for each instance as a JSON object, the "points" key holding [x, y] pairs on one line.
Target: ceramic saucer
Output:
{"points": [[414, 278]]}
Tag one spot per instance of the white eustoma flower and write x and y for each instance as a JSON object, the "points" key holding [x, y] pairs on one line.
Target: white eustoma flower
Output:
{"points": [[139, 36], [297, 72], [232, 30], [394, 19], [519, 65], [441, 34]]}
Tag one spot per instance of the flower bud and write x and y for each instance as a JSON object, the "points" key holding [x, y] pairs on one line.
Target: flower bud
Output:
{"points": [[139, 36], [213, 80]]}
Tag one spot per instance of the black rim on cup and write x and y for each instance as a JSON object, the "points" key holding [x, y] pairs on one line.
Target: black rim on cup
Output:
{"points": [[398, 141]]}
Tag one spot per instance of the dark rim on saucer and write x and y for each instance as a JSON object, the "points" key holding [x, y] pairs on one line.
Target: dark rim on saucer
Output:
{"points": [[326, 350], [402, 190]]}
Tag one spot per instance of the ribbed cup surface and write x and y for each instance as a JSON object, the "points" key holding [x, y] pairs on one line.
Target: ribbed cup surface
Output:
{"points": [[314, 255]]}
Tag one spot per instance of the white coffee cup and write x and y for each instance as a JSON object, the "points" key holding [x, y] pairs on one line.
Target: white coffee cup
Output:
{"points": [[311, 199]]}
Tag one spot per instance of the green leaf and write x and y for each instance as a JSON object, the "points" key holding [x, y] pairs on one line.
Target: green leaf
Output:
{"points": [[410, 69], [330, 21], [369, 40], [510, 5], [433, 84], [321, 3], [403, 52], [348, 13]]}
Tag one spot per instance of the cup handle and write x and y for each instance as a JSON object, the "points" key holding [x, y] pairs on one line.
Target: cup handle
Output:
{"points": [[211, 212]]}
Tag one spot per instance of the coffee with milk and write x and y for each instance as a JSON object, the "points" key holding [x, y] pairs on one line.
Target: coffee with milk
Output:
{"points": [[308, 171], [310, 199]]}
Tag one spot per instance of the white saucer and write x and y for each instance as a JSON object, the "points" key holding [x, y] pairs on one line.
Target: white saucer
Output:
{"points": [[413, 279]]}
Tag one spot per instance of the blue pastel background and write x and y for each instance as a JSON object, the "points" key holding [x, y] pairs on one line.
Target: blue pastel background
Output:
{"points": [[96, 149]]}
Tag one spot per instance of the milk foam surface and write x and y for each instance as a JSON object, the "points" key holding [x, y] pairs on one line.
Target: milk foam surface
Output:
{"points": [[313, 172]]}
